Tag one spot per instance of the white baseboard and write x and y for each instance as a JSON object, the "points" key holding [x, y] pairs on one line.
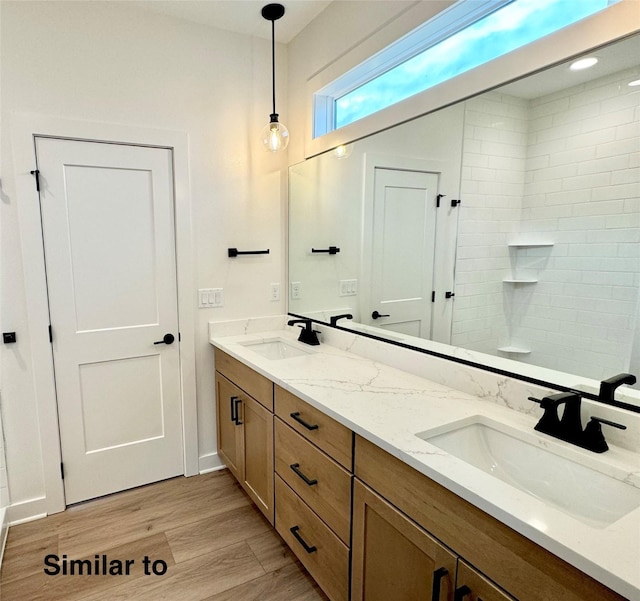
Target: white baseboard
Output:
{"points": [[4, 530], [210, 463], [33, 509]]}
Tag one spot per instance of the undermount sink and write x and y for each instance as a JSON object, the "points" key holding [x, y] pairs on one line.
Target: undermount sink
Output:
{"points": [[520, 459], [275, 348]]}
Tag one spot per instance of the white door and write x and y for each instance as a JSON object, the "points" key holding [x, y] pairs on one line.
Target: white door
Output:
{"points": [[404, 222], [108, 227]]}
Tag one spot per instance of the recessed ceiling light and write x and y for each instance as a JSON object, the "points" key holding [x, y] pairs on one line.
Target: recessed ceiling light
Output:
{"points": [[583, 63], [635, 82]]}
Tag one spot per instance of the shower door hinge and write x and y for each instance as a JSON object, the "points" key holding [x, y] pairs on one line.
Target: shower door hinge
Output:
{"points": [[62, 470], [36, 174], [438, 197]]}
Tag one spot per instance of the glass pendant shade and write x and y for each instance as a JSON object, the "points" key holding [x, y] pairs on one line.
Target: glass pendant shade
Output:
{"points": [[274, 135]]}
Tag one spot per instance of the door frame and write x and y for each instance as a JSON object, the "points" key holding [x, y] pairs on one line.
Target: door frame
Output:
{"points": [[24, 129], [446, 231]]}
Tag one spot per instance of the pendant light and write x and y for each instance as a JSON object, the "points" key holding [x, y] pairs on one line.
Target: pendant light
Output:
{"points": [[274, 135]]}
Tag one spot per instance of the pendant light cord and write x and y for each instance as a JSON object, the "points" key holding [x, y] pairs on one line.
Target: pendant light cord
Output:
{"points": [[273, 63]]}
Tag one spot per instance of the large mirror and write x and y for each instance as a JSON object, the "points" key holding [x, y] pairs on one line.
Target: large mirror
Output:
{"points": [[504, 229]]}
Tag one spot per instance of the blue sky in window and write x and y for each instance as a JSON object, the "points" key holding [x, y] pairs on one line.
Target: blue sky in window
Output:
{"points": [[508, 28]]}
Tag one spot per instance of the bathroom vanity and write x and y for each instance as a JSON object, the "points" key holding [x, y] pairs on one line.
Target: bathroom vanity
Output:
{"points": [[348, 459]]}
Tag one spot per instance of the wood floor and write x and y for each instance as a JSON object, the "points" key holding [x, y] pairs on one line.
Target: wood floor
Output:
{"points": [[217, 547]]}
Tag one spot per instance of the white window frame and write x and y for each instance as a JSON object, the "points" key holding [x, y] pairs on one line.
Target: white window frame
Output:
{"points": [[613, 23], [455, 18]]}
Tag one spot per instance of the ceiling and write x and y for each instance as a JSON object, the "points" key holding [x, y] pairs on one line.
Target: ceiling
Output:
{"points": [[240, 16], [612, 58]]}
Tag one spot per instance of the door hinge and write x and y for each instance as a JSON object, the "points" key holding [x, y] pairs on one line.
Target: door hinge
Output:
{"points": [[438, 197], [62, 470], [50, 334], [433, 296], [36, 174], [179, 337]]}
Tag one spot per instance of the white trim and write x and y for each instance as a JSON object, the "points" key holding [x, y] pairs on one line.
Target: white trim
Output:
{"points": [[26, 511], [24, 127], [613, 23], [211, 462]]}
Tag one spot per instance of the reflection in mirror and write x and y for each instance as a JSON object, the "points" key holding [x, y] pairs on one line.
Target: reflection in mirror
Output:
{"points": [[538, 264]]}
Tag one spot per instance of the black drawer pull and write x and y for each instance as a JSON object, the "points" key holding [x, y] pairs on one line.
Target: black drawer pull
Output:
{"points": [[307, 548], [461, 593], [297, 417], [438, 575], [296, 468]]}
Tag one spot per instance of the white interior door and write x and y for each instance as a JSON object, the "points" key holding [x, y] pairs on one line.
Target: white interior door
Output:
{"points": [[109, 241], [404, 221]]}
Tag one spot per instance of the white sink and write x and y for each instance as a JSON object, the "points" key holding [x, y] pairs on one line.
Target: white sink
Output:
{"points": [[276, 348], [519, 459]]}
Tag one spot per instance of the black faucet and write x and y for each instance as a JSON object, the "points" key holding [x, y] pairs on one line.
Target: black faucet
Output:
{"points": [[307, 334], [608, 387], [334, 320], [569, 427]]}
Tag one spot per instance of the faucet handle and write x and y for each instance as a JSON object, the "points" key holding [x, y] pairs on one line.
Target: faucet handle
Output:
{"points": [[593, 438], [601, 420]]}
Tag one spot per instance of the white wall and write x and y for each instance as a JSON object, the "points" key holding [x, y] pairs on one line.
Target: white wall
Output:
{"points": [[111, 62]]}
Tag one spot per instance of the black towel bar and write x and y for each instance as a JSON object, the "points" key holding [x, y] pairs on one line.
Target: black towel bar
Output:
{"points": [[234, 252]]}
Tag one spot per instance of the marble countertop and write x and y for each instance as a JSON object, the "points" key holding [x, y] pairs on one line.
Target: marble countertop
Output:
{"points": [[389, 407]]}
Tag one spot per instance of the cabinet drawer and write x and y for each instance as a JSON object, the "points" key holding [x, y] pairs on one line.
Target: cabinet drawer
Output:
{"points": [[321, 552], [253, 383], [326, 433], [327, 488]]}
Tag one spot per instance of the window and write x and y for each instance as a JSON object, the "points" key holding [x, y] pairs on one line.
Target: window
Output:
{"points": [[459, 39]]}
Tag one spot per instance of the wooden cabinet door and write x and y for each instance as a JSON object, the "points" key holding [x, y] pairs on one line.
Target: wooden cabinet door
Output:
{"points": [[393, 558], [229, 433], [257, 435], [473, 586]]}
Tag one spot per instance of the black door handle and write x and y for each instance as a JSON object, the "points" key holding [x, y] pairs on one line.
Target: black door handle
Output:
{"points": [[461, 592], [438, 575], [166, 339], [375, 315]]}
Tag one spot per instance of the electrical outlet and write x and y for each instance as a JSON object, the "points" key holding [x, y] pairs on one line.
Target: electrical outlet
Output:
{"points": [[274, 292], [210, 297], [296, 290]]}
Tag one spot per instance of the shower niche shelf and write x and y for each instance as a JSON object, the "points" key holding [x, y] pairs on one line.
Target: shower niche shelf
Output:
{"points": [[520, 280], [514, 350], [529, 244]]}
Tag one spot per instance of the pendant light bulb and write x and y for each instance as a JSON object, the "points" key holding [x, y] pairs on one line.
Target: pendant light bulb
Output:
{"points": [[274, 135]]}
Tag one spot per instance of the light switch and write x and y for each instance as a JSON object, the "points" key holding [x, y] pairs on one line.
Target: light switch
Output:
{"points": [[210, 297]]}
